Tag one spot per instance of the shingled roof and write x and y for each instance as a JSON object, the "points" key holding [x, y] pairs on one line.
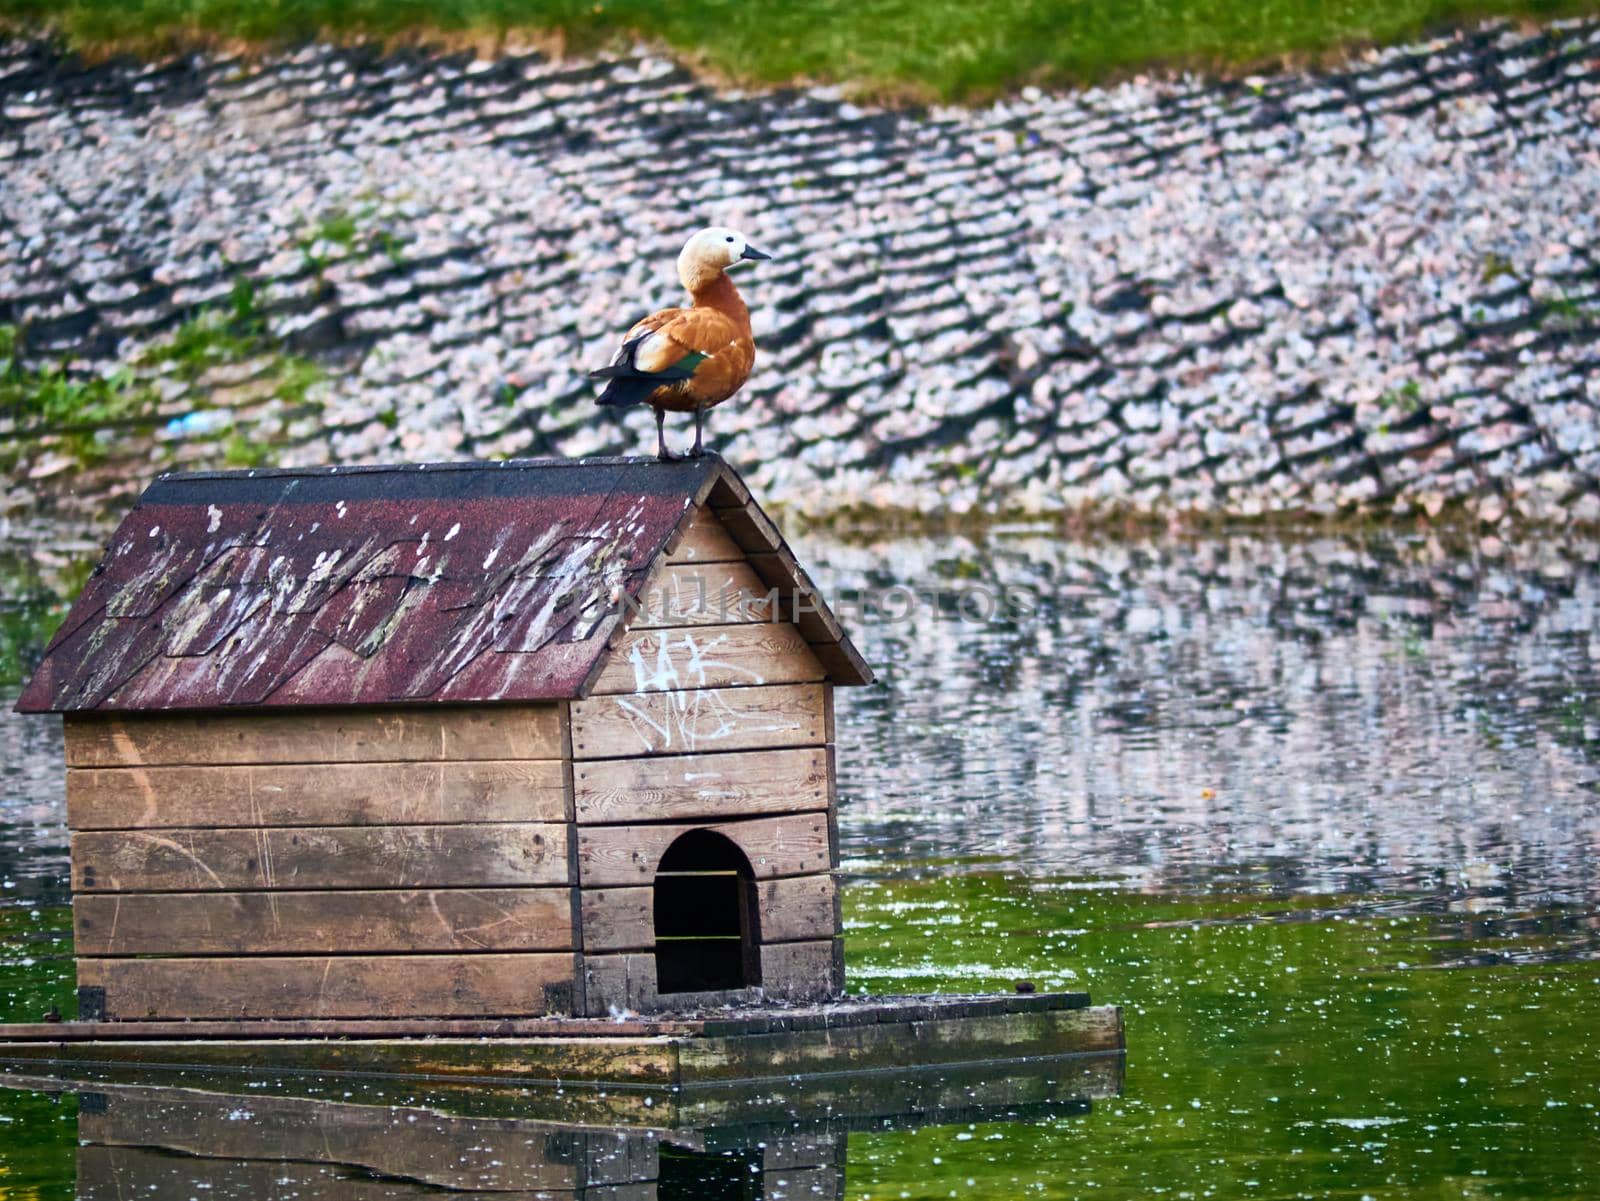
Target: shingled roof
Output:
{"points": [[437, 583]]}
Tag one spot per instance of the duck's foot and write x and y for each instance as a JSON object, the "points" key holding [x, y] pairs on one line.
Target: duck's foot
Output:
{"points": [[662, 453], [698, 450]]}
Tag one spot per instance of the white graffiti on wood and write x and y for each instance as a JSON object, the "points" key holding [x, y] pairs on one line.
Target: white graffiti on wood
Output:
{"points": [[661, 673], [688, 721]]}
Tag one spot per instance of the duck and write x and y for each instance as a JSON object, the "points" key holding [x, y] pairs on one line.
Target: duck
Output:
{"points": [[689, 359]]}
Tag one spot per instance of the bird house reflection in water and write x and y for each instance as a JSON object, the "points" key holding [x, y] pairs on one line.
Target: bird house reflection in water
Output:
{"points": [[232, 1144]]}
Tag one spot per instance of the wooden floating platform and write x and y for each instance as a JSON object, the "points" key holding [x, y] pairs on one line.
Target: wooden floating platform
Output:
{"points": [[767, 1043], [1018, 1089]]}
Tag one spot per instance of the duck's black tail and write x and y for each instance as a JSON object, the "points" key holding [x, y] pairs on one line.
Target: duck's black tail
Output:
{"points": [[625, 385], [622, 390]]}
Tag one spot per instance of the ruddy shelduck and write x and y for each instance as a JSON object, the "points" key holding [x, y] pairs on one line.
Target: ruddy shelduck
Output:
{"points": [[689, 359]]}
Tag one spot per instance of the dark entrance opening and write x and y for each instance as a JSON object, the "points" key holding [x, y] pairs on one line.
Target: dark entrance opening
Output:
{"points": [[705, 916], [687, 1175]]}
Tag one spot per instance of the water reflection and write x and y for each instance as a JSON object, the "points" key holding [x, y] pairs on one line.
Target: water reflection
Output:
{"points": [[1353, 717], [244, 1138]]}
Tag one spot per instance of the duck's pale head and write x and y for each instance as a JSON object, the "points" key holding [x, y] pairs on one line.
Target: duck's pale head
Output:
{"points": [[711, 252]]}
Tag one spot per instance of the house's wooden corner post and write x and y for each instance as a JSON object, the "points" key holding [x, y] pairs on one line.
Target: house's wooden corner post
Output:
{"points": [[576, 1005], [836, 981]]}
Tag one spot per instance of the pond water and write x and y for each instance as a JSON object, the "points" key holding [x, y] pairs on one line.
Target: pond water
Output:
{"points": [[1320, 813]]}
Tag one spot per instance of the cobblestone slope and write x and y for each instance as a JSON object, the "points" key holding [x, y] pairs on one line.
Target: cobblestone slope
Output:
{"points": [[1372, 289]]}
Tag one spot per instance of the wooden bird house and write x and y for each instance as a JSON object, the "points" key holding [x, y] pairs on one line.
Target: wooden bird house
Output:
{"points": [[467, 740]]}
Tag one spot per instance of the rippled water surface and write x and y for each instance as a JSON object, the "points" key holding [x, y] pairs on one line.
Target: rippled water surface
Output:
{"points": [[1321, 814]]}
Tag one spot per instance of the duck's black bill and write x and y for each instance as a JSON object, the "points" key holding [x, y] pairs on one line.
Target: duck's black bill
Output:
{"points": [[750, 252]]}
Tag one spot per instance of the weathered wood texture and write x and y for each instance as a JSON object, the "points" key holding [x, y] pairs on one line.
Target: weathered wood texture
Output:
{"points": [[749, 527], [316, 794], [841, 660], [514, 1031], [934, 1093], [793, 909], [780, 568], [119, 1173], [445, 1151], [481, 985], [804, 1150], [706, 541], [60, 1034], [623, 1058], [833, 1044], [621, 1159], [614, 984], [713, 719], [798, 908], [813, 1183], [330, 857], [795, 845], [888, 1044], [619, 919], [741, 534], [366, 864], [694, 787], [727, 656], [272, 923], [325, 837], [703, 594], [800, 971], [418, 735]]}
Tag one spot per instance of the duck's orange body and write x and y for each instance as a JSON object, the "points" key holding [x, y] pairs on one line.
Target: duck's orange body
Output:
{"points": [[689, 359], [716, 325]]}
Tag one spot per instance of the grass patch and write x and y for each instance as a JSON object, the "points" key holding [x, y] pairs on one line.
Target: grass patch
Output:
{"points": [[26, 623], [242, 451], [214, 336], [1405, 400], [35, 593], [349, 232], [938, 48], [73, 407], [1497, 266], [78, 409], [1563, 313]]}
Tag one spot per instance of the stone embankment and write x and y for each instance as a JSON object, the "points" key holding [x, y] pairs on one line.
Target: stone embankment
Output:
{"points": [[1371, 290]]}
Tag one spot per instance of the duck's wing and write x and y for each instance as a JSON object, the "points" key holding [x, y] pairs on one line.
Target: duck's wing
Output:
{"points": [[665, 349]]}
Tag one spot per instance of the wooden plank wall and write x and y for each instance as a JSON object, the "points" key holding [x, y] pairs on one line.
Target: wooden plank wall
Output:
{"points": [[317, 864], [707, 715]]}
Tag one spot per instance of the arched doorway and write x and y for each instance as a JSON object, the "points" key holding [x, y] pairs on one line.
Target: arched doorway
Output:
{"points": [[706, 919]]}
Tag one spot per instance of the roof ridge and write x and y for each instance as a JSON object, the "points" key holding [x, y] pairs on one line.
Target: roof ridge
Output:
{"points": [[330, 469]]}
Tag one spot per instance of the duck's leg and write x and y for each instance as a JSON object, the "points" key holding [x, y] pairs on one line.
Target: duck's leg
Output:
{"points": [[662, 453], [699, 432]]}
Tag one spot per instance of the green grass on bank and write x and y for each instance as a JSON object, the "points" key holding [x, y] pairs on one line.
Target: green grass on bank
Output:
{"points": [[928, 48], [84, 414]]}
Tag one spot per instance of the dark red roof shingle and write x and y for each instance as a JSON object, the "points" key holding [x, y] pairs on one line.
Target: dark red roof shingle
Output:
{"points": [[456, 582]]}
